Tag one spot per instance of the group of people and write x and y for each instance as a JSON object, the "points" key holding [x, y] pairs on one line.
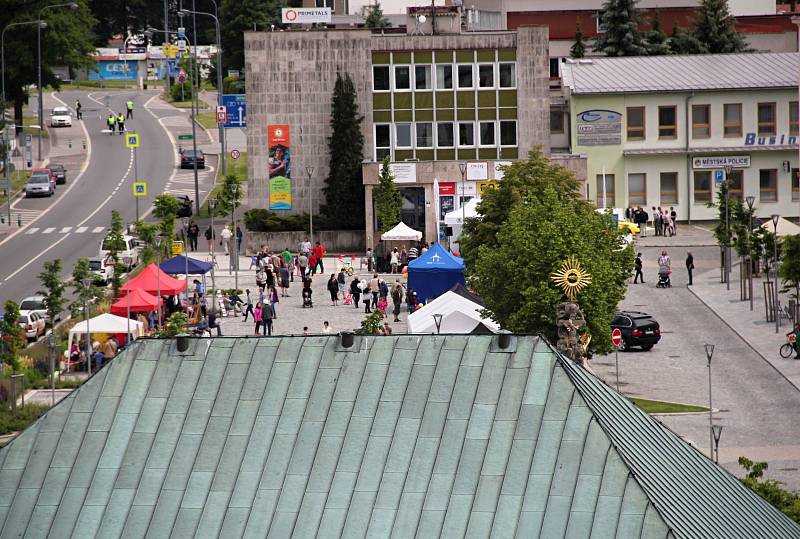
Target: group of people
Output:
{"points": [[375, 294], [664, 221], [395, 260], [114, 120], [97, 353], [664, 267]]}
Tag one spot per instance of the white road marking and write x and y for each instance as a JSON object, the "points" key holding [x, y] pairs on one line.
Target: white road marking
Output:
{"points": [[65, 229], [32, 260], [98, 229], [81, 229], [48, 230], [33, 230]]}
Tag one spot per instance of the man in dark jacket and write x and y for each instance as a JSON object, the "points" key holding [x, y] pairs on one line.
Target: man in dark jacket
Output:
{"points": [[638, 265], [689, 266]]}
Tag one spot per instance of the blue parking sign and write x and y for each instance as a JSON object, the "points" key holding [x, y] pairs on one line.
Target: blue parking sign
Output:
{"points": [[237, 110], [719, 177]]}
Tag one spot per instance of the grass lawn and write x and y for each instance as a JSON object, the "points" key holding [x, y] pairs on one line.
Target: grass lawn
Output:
{"points": [[184, 104], [107, 84], [661, 407], [207, 119], [34, 131], [25, 416], [237, 167], [18, 180]]}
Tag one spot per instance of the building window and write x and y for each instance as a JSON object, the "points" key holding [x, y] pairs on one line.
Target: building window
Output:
{"points": [[327, 3], [380, 78], [402, 136], [768, 184], [508, 75], [466, 134], [795, 184], [444, 135], [508, 133], [637, 189], [424, 135], [556, 121], [702, 187], [555, 68], [794, 121], [605, 184], [422, 77], [669, 188], [635, 123], [444, 77], [402, 78], [667, 122], [383, 143], [701, 121], [766, 119], [486, 132], [486, 75], [732, 118], [601, 28], [465, 76], [735, 184]]}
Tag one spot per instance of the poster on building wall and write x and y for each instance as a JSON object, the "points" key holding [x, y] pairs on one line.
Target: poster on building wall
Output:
{"points": [[280, 167], [484, 186], [599, 128], [477, 171], [499, 169]]}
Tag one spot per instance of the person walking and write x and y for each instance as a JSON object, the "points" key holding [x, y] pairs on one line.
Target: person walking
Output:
{"points": [[302, 265], [333, 289], [689, 266], [375, 288], [248, 305], [320, 252], [674, 220], [273, 301], [355, 291], [367, 295], [210, 238], [129, 106], [120, 123], [225, 237], [638, 265], [284, 278], [194, 232], [397, 299], [394, 261], [267, 316], [257, 315], [78, 109], [112, 122], [239, 237]]}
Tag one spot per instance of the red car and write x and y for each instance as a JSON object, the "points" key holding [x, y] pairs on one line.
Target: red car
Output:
{"points": [[53, 179]]}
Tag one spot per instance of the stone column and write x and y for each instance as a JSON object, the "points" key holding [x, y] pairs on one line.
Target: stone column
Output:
{"points": [[369, 218]]}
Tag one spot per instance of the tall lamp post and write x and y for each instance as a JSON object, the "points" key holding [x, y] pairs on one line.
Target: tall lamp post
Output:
{"points": [[463, 168], [87, 285], [717, 431], [212, 203], [70, 5], [775, 218], [310, 172], [728, 169], [51, 347], [750, 200], [709, 355]]}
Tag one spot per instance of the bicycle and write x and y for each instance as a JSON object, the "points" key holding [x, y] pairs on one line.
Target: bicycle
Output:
{"points": [[787, 349]]}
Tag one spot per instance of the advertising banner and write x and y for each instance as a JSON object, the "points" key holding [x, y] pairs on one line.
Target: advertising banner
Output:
{"points": [[280, 167], [115, 70], [305, 15], [483, 186], [599, 128], [447, 188]]}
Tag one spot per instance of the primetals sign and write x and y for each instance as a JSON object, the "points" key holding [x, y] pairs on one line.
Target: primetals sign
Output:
{"points": [[599, 128], [305, 15]]}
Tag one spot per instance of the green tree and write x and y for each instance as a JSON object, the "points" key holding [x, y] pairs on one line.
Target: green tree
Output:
{"points": [[789, 270], [622, 37], [655, 39], [115, 244], [788, 502], [681, 41], [80, 271], [375, 18], [174, 326], [229, 197], [165, 208], [344, 192], [148, 234], [240, 16], [53, 291], [715, 28], [13, 339], [578, 49], [387, 198]]}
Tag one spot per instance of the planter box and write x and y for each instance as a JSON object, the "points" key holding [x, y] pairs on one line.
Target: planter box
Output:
{"points": [[335, 241]]}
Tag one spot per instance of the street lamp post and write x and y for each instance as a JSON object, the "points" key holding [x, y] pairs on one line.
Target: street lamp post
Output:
{"points": [[235, 246], [750, 200], [775, 218], [51, 347], [70, 5], [463, 168], [87, 284], [709, 354], [717, 430], [728, 169], [309, 172], [159, 247], [437, 319], [211, 205]]}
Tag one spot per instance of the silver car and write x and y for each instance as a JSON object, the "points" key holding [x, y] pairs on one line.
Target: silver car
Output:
{"points": [[39, 185]]}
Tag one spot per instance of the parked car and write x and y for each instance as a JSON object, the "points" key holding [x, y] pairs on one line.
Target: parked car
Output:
{"points": [[33, 304], [39, 185], [33, 325], [638, 329], [60, 117], [47, 171], [102, 269], [128, 256], [188, 158], [59, 172]]}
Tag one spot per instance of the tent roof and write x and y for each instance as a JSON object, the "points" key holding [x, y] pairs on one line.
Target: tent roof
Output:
{"points": [[464, 292], [150, 281], [401, 232], [470, 210], [459, 315], [785, 227], [399, 435], [177, 264], [437, 258], [138, 300], [106, 323]]}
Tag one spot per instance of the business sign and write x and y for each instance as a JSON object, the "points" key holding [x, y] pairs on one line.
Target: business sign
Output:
{"points": [[404, 172], [140, 189], [236, 104], [468, 189], [280, 167], [305, 15], [484, 186], [599, 128], [499, 171], [721, 161], [477, 171], [446, 205], [447, 188], [751, 139], [115, 70], [222, 114]]}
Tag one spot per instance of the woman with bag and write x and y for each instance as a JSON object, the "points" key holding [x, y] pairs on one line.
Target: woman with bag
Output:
{"points": [[333, 288], [273, 300]]}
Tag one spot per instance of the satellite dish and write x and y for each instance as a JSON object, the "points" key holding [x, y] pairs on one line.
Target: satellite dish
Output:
{"points": [[422, 18]]}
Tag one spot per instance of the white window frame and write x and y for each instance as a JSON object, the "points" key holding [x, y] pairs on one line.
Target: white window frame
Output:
{"points": [[452, 131], [436, 77], [494, 76], [396, 141], [457, 80], [458, 134], [390, 78], [494, 132], [516, 134], [416, 139], [514, 68], [430, 77], [410, 77], [375, 138]]}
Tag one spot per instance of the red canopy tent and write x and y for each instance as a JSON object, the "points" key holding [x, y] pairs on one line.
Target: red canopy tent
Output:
{"points": [[150, 281], [138, 300]]}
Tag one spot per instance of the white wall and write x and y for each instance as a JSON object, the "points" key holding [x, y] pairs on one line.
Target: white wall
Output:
{"points": [[737, 7], [388, 6]]}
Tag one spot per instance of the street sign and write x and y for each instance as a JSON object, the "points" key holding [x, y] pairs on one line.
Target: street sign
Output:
{"points": [[177, 248], [182, 76], [132, 140], [4, 184], [235, 154], [181, 45], [236, 106], [28, 140], [719, 177], [184, 137], [172, 68], [616, 337], [222, 114], [181, 32], [140, 189]]}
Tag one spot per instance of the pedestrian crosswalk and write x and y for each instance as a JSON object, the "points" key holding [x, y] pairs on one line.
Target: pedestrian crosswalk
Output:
{"points": [[65, 230], [19, 216]]}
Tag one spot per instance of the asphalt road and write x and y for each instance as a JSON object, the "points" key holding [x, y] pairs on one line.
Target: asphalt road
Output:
{"points": [[76, 219]]}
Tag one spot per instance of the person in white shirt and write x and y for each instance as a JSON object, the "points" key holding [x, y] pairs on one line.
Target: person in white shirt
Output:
{"points": [[226, 235], [326, 327]]}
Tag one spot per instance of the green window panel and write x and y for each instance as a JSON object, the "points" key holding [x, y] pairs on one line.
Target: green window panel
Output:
{"points": [[444, 100], [425, 155], [508, 153], [402, 100], [403, 116], [466, 114], [444, 57], [487, 153], [508, 113], [381, 101], [487, 99], [423, 115], [445, 115], [507, 55], [487, 114], [423, 57], [466, 153], [423, 100], [380, 57], [465, 56], [402, 155], [382, 116], [508, 98], [401, 57], [446, 155], [465, 99], [486, 56]]}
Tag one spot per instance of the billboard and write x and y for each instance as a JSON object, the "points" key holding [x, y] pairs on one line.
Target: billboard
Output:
{"points": [[115, 70], [305, 15], [280, 167]]}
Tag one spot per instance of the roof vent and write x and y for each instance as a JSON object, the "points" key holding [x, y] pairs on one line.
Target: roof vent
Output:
{"points": [[586, 61], [182, 342], [504, 340], [347, 339]]}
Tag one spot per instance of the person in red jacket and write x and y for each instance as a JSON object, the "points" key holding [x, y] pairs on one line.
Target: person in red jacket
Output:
{"points": [[320, 251], [312, 263]]}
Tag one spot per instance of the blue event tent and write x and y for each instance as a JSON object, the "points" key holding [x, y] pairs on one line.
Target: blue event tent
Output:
{"points": [[177, 264], [434, 273]]}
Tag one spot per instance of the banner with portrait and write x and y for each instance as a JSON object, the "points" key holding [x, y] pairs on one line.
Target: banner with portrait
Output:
{"points": [[280, 167]]}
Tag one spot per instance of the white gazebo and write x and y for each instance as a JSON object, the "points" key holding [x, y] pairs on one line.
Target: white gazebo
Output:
{"points": [[785, 227], [109, 324], [459, 315], [402, 232]]}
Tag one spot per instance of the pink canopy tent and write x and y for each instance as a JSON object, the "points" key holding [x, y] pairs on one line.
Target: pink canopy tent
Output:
{"points": [[136, 301], [153, 280]]}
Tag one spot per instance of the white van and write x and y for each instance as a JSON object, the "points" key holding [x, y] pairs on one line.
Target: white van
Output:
{"points": [[129, 256]]}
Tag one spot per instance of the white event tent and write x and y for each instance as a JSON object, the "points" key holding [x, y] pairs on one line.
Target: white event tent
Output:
{"points": [[459, 315], [402, 232], [109, 324]]}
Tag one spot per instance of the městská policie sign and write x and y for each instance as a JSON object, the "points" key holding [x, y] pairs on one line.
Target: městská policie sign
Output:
{"points": [[305, 15], [721, 161]]}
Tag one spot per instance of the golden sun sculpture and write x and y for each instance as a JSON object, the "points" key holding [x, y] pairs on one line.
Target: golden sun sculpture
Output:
{"points": [[571, 278]]}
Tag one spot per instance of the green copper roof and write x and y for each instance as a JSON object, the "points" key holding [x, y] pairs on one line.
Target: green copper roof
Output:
{"points": [[396, 436]]}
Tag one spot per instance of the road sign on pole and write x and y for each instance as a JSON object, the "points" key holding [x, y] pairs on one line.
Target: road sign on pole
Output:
{"points": [[222, 114], [140, 189], [235, 154], [236, 106], [177, 248], [132, 140], [616, 337], [182, 76], [184, 137]]}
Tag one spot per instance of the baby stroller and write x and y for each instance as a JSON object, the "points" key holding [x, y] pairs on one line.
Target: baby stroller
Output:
{"points": [[663, 277], [307, 298]]}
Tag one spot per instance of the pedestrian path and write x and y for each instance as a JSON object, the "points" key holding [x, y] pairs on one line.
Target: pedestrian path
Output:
{"points": [[65, 230]]}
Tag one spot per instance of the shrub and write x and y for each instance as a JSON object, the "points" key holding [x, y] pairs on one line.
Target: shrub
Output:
{"points": [[180, 92], [261, 220]]}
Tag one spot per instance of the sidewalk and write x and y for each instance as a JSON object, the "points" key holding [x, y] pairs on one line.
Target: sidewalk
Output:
{"points": [[687, 236]]}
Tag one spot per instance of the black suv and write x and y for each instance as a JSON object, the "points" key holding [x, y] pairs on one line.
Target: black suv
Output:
{"points": [[638, 329]]}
